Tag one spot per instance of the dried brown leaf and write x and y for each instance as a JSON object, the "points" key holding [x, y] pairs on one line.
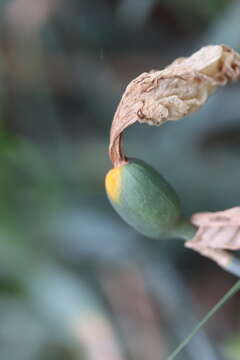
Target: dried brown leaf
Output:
{"points": [[221, 257], [170, 94], [217, 232]]}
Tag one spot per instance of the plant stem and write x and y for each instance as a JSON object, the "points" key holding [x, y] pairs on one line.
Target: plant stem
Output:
{"points": [[185, 230], [233, 266], [201, 323]]}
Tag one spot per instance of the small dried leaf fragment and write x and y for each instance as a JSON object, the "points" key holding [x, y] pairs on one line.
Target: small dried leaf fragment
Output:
{"points": [[217, 232], [174, 92]]}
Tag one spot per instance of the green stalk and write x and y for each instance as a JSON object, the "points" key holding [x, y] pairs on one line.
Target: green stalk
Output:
{"points": [[233, 290], [187, 231]]}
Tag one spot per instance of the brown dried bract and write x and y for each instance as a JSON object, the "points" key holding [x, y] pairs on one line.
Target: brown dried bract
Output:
{"points": [[216, 233], [170, 94]]}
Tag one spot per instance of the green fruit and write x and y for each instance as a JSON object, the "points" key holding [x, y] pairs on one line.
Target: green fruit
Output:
{"points": [[144, 199]]}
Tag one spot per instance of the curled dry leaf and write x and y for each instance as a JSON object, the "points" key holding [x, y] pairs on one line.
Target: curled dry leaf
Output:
{"points": [[216, 233], [230, 217], [172, 93]]}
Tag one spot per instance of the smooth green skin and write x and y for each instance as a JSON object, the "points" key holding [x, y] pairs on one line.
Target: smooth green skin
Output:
{"points": [[149, 204]]}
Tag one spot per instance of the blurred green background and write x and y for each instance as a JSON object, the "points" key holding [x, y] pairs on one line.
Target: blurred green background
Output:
{"points": [[75, 281]]}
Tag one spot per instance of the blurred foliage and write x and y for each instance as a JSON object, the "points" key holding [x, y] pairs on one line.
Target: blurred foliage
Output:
{"points": [[64, 253]]}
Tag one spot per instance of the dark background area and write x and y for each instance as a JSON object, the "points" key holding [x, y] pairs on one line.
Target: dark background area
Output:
{"points": [[75, 281]]}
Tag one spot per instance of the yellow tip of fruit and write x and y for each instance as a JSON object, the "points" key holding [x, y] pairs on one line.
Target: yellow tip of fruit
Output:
{"points": [[113, 183]]}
